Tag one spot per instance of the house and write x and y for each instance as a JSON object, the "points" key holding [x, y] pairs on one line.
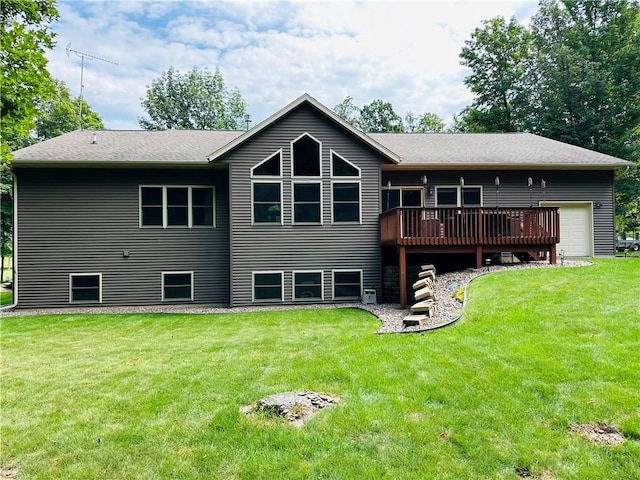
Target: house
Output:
{"points": [[302, 208]]}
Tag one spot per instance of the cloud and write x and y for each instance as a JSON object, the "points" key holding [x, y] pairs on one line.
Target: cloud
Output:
{"points": [[402, 52]]}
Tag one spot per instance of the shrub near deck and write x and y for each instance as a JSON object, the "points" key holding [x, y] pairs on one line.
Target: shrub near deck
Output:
{"points": [[537, 352]]}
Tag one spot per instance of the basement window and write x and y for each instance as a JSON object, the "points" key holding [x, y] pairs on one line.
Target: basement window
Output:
{"points": [[267, 286], [85, 288], [177, 286], [347, 284]]}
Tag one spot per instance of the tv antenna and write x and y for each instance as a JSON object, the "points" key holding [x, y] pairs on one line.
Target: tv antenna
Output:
{"points": [[82, 56]]}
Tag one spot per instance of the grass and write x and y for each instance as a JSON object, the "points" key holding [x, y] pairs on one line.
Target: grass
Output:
{"points": [[6, 297], [537, 351]]}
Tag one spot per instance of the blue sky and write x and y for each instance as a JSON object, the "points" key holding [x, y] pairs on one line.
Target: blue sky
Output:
{"points": [[402, 52]]}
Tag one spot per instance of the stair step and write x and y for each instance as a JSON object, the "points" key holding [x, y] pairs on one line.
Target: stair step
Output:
{"points": [[423, 294], [425, 307], [414, 320], [422, 283], [428, 267], [427, 274]]}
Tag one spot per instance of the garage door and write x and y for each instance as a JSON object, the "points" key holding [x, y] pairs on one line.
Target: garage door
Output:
{"points": [[576, 231]]}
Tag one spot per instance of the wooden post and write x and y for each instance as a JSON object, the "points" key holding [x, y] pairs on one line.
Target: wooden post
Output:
{"points": [[403, 277], [552, 255], [478, 256]]}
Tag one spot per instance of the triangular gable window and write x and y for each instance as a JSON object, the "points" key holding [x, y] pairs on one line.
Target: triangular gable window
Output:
{"points": [[270, 167], [343, 168]]}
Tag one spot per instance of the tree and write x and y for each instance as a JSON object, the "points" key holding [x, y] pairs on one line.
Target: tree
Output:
{"points": [[427, 122], [348, 111], [24, 37], [499, 56], [197, 100], [379, 117], [61, 114]]}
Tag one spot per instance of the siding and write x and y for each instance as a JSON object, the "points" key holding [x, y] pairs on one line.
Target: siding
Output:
{"points": [[290, 247], [561, 186], [81, 221]]}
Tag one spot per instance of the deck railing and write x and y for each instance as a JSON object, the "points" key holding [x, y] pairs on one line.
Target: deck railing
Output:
{"points": [[470, 226]]}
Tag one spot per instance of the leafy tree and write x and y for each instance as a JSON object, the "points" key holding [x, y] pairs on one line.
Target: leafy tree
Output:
{"points": [[379, 117], [348, 111], [25, 34], [427, 122], [61, 114], [196, 100], [498, 55]]}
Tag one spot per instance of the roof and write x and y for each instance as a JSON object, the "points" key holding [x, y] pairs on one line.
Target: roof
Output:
{"points": [[127, 147], [307, 99], [491, 150], [403, 150]]}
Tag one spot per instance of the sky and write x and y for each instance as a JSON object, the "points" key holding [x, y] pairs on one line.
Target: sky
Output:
{"points": [[405, 53]]}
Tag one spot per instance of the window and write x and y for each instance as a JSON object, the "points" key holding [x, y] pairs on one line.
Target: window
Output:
{"points": [[345, 193], [347, 284], [270, 167], [85, 288], [306, 202], [177, 206], [401, 197], [307, 286], [267, 286], [267, 195], [341, 167], [457, 196], [267, 202], [447, 196], [346, 201], [306, 157], [472, 196], [177, 286]]}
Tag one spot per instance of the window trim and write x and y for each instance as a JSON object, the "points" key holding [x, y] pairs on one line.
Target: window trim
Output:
{"points": [[267, 181], [293, 200], [349, 180], [254, 175], [333, 153], [346, 270], [458, 195], [165, 206], [162, 281], [306, 134], [72, 301], [311, 299], [253, 286]]}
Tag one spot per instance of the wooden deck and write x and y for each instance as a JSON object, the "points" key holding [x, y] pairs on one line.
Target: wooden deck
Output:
{"points": [[467, 229]]}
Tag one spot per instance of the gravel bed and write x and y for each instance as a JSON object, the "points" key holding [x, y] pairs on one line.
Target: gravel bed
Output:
{"points": [[447, 309]]}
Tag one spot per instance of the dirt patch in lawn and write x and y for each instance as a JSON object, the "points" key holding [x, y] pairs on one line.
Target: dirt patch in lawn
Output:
{"points": [[524, 472], [8, 470], [295, 407], [599, 433]]}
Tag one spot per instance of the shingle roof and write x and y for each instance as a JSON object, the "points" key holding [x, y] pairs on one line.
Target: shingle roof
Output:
{"points": [[128, 147], [411, 150], [492, 150]]}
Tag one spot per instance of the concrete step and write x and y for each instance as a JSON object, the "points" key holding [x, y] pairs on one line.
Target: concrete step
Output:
{"points": [[414, 320], [428, 267], [423, 294], [427, 274], [425, 307]]}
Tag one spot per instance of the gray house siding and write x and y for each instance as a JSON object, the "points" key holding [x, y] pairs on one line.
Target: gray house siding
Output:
{"points": [[594, 186], [287, 248], [82, 221]]}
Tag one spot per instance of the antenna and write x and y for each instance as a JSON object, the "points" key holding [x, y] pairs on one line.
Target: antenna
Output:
{"points": [[82, 56]]}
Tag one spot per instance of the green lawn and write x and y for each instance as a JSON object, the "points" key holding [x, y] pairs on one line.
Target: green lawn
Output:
{"points": [[536, 352], [6, 297]]}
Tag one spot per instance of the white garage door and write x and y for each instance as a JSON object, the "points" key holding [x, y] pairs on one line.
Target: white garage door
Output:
{"points": [[576, 231]]}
